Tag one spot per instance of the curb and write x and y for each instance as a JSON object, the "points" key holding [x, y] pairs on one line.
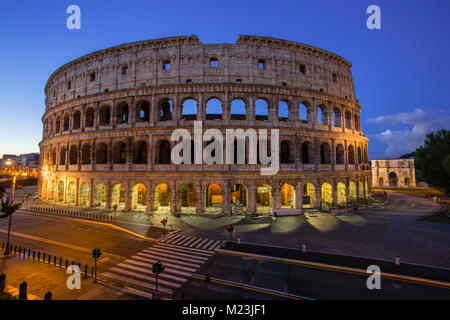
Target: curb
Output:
{"points": [[336, 268]]}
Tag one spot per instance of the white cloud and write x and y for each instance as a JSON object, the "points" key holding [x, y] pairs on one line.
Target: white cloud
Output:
{"points": [[418, 124]]}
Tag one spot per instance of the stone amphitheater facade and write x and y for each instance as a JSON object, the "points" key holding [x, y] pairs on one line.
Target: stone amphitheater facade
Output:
{"points": [[110, 115]]}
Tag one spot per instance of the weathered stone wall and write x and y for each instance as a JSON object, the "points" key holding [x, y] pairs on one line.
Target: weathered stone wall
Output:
{"points": [[396, 173]]}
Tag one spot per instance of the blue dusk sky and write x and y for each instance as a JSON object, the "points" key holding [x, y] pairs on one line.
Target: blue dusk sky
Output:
{"points": [[401, 72]]}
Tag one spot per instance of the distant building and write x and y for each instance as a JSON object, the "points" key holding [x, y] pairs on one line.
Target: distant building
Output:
{"points": [[29, 160], [393, 173]]}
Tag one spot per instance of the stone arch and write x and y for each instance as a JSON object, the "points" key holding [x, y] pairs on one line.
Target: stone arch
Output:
{"points": [[58, 124], [361, 189], [337, 122], [105, 115], [381, 182], [213, 109], [327, 195], [309, 195], [120, 153], [353, 195], [348, 120], [261, 110], [189, 109], [264, 198], [407, 182], [322, 114], [66, 124], [286, 152], [86, 154], [340, 154], [393, 179], [118, 196], [304, 112], [142, 111], [60, 193], [100, 195], [307, 152], [356, 125], [187, 198], [283, 111], [101, 153], [122, 110], [44, 190], [325, 153], [73, 155], [359, 155], [351, 154], [140, 152], [162, 198], [238, 109], [62, 156], [287, 196], [76, 120], [89, 118], [71, 192], [139, 197], [213, 198], [163, 152], [51, 190], [239, 198], [84, 194], [341, 194], [165, 109]]}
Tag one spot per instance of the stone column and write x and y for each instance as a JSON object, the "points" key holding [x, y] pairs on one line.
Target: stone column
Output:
{"points": [[77, 192], [318, 204], [276, 192], [252, 189], [108, 195], [333, 155], [334, 190], [299, 196], [91, 192], [173, 197], [200, 197], [226, 199], [128, 196]]}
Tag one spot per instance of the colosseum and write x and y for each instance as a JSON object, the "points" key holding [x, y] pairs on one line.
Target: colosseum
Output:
{"points": [[110, 116]]}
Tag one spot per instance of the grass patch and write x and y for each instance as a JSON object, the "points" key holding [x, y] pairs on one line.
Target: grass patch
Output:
{"points": [[440, 216], [416, 192]]}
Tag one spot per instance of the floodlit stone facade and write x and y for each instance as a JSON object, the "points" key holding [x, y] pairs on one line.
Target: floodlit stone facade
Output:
{"points": [[110, 115], [394, 173]]}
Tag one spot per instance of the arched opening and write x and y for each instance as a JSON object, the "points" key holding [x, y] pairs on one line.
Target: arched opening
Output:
{"points": [[381, 182], [66, 123], [105, 115], [307, 152], [261, 110], [361, 189], [89, 118], [352, 191], [287, 196], [51, 190], [120, 153], [309, 195], [303, 112], [351, 154], [356, 123], [286, 156], [337, 117], [100, 195], [71, 193], [341, 194], [84, 194], [53, 157], [163, 154], [213, 199], [62, 156], [189, 110], [101, 153], [118, 196], [162, 198], [238, 109], [339, 154], [140, 152], [76, 120], [165, 110], [393, 179], [58, 125], [322, 114], [73, 157], [60, 191], [283, 111], [359, 155], [139, 197], [213, 109], [325, 155], [264, 200], [239, 198], [122, 112], [327, 195], [86, 154], [187, 199], [348, 120], [142, 111], [407, 182]]}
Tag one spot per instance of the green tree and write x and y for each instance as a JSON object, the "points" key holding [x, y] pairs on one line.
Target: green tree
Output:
{"points": [[433, 159]]}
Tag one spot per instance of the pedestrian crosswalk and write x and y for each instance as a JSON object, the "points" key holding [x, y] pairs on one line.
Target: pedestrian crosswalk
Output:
{"points": [[136, 276], [191, 242]]}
